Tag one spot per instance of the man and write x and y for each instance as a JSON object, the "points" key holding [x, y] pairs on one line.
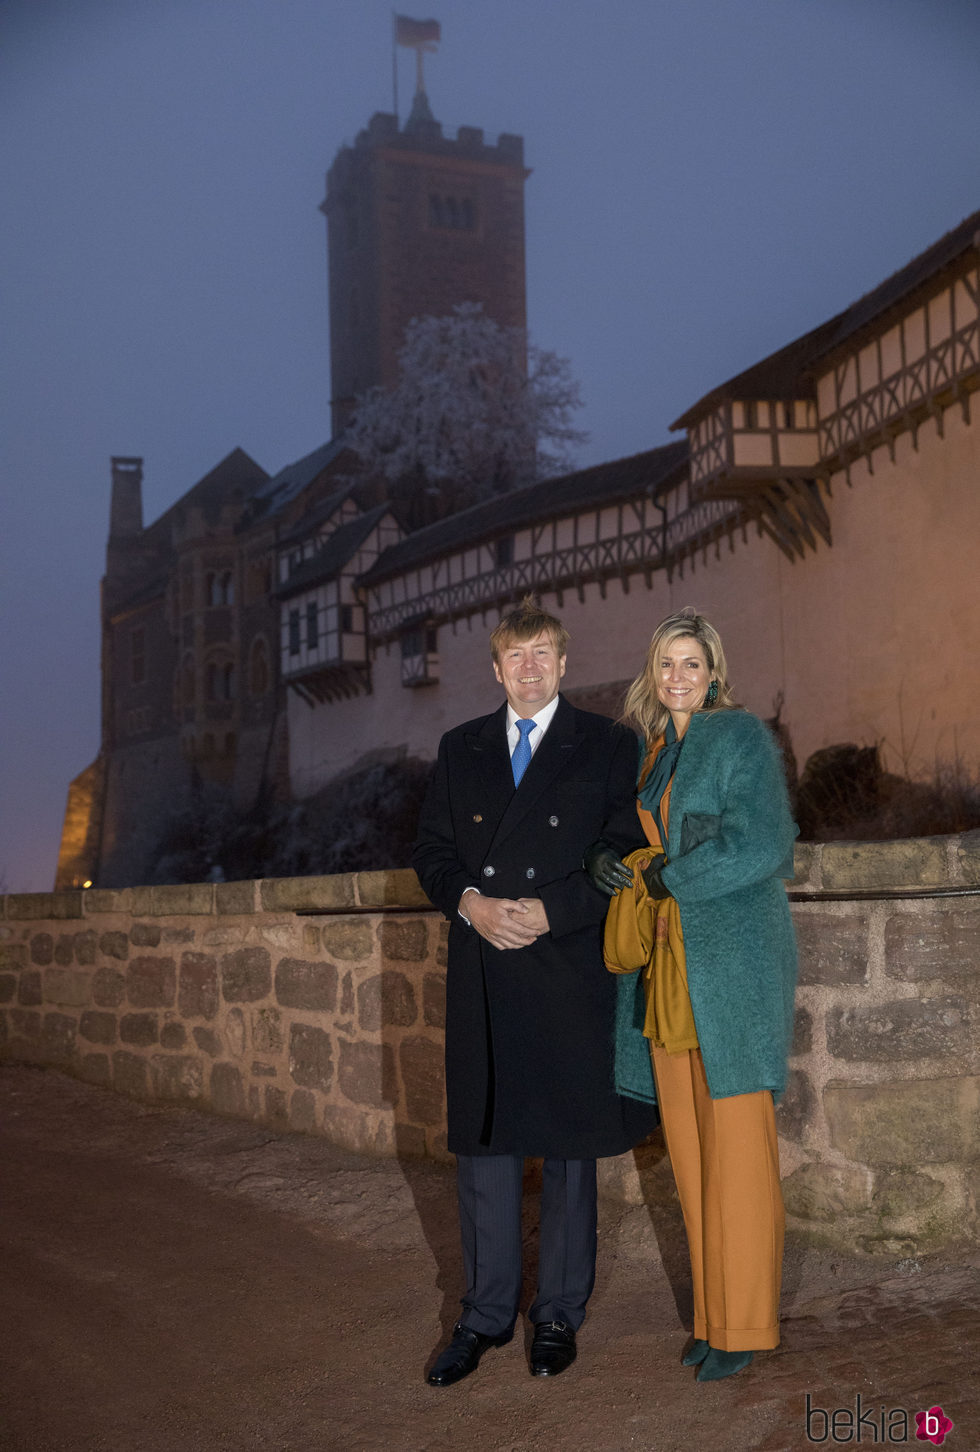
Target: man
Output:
{"points": [[515, 799]]}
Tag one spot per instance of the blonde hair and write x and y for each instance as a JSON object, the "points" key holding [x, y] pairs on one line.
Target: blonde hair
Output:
{"points": [[524, 622], [643, 709]]}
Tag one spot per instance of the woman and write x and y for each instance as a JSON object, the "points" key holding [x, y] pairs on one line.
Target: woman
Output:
{"points": [[707, 917]]}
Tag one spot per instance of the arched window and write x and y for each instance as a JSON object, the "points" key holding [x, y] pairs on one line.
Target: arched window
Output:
{"points": [[258, 668]]}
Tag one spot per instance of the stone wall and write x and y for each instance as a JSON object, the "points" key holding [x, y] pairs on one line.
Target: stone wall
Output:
{"points": [[317, 1004]]}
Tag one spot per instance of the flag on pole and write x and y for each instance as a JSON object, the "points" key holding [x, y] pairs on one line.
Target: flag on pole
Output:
{"points": [[416, 32]]}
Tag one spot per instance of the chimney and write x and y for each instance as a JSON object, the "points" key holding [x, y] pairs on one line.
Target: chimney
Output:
{"points": [[126, 509]]}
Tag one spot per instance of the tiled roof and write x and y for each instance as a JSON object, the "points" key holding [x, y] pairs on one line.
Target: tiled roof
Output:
{"points": [[593, 488], [294, 478], [336, 552], [787, 373]]}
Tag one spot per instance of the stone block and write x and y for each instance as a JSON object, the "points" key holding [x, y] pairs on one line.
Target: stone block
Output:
{"points": [[308, 985], [442, 944], [802, 1031], [8, 987], [98, 1028], [4, 1031], [312, 894], [833, 949], [95, 1069], [177, 1076], [198, 989], [393, 887], [129, 1074], [254, 1102], [804, 855], [108, 987], [276, 1106], [175, 900], [423, 1075], [968, 856], [263, 1071], [13, 956], [227, 1091], [25, 1023], [231, 899], [311, 939], [938, 944], [901, 1193], [29, 989], [42, 949], [44, 906], [114, 945], [366, 1134], [66, 987], [151, 982], [434, 1000], [267, 1036], [145, 935], [410, 1142], [347, 996], [246, 975], [208, 1042], [366, 1074], [795, 1109], [905, 1122], [58, 1038], [826, 1192], [100, 900], [235, 1033], [64, 949], [349, 939], [913, 862], [177, 935], [173, 1035], [386, 1000], [86, 948], [404, 939], [904, 1028], [311, 1057], [302, 1111], [139, 1028]]}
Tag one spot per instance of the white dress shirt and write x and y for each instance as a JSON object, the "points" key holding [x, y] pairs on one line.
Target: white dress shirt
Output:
{"points": [[542, 721]]}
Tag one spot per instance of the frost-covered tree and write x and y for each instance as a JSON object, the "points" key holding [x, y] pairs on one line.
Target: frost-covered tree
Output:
{"points": [[476, 411]]}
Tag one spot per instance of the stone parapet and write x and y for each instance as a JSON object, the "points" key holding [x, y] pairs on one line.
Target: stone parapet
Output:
{"points": [[318, 1004]]}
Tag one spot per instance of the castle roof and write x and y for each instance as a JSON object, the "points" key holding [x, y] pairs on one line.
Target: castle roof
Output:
{"points": [[592, 488], [337, 551], [789, 373], [283, 487]]}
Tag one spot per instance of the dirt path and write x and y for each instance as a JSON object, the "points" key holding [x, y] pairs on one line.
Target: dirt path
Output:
{"points": [[173, 1282]]}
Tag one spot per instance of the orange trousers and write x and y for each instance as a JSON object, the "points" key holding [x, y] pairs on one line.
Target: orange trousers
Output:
{"points": [[725, 1159]]}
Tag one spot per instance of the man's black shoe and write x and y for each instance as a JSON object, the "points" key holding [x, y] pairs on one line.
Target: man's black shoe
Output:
{"points": [[553, 1348], [462, 1355]]}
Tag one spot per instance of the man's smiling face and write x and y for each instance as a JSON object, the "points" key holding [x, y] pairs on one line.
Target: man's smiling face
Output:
{"points": [[529, 671]]}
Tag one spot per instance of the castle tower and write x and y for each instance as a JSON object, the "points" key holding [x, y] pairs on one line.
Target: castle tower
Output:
{"points": [[417, 223]]}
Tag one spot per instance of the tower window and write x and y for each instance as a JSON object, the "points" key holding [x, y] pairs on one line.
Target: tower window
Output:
{"points": [[294, 632], [455, 214], [138, 656], [312, 628]]}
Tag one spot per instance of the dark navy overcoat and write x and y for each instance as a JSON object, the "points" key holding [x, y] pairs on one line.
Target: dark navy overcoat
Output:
{"points": [[529, 1031]]}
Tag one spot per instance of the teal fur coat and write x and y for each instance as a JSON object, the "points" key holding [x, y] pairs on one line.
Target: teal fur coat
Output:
{"points": [[730, 845]]}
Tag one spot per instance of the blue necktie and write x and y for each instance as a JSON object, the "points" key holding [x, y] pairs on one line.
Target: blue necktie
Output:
{"points": [[522, 751]]}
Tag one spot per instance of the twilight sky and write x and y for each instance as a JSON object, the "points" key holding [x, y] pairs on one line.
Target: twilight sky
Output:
{"points": [[710, 179]]}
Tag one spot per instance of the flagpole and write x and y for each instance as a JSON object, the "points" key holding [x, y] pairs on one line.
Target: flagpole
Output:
{"points": [[394, 60]]}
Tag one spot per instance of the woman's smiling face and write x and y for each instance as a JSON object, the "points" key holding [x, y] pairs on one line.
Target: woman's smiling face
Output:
{"points": [[683, 679]]}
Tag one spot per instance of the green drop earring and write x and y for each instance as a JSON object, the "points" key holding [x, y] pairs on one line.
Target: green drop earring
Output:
{"points": [[712, 695]]}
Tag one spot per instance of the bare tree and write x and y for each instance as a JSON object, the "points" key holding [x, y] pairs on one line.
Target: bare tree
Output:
{"points": [[477, 411]]}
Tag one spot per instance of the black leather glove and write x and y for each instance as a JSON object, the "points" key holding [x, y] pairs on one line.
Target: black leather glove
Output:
{"points": [[605, 868], [653, 879]]}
